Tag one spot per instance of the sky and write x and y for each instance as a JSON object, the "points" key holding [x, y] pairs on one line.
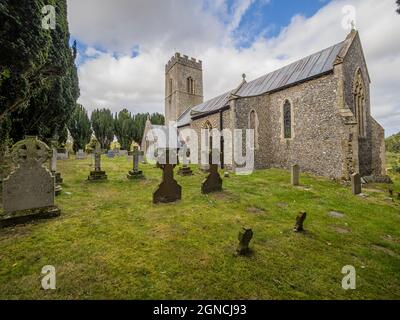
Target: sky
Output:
{"points": [[123, 45]]}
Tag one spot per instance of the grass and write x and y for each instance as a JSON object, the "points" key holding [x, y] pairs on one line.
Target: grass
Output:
{"points": [[111, 242]]}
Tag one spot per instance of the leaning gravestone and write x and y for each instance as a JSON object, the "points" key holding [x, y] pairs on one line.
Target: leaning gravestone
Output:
{"points": [[136, 173], [295, 175], [213, 182], [80, 155], [356, 183], [169, 190], [185, 169], [97, 174], [28, 192]]}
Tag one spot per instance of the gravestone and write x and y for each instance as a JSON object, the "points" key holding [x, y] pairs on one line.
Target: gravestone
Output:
{"points": [[62, 154], [301, 217], [213, 182], [136, 173], [57, 175], [123, 153], [244, 238], [185, 169], [97, 174], [5, 166], [295, 177], [29, 191], [356, 183], [111, 154], [80, 155], [169, 190]]}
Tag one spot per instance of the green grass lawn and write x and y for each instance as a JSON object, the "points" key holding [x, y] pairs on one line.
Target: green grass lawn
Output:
{"points": [[111, 242]]}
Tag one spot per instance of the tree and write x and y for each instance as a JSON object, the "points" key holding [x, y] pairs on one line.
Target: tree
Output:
{"points": [[140, 123], [103, 126], [124, 128], [80, 128], [393, 143], [398, 4]]}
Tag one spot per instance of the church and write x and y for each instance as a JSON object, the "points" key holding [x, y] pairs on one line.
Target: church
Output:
{"points": [[314, 112]]}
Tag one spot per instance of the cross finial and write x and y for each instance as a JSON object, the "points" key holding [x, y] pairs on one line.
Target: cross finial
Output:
{"points": [[353, 25], [244, 77]]}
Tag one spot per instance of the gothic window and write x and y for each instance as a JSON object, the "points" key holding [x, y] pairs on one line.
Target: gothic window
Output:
{"points": [[359, 103], [253, 124], [190, 85], [287, 120]]}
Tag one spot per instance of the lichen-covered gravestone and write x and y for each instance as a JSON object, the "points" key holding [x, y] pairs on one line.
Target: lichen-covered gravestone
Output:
{"points": [[295, 177], [185, 169], [29, 191], [213, 182], [136, 173], [97, 174], [356, 183], [169, 190]]}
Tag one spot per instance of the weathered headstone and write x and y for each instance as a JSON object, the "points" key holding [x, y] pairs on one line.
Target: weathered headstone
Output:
{"points": [[295, 175], [5, 165], [213, 182], [62, 154], [80, 155], [28, 192], [123, 153], [97, 174], [356, 183], [245, 236], [57, 175], [169, 190], [185, 169], [136, 173], [301, 217], [111, 154]]}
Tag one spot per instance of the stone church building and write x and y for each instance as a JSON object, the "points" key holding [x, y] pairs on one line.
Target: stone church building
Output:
{"points": [[314, 112]]}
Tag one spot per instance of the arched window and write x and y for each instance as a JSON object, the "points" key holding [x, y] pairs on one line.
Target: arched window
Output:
{"points": [[208, 126], [359, 103], [253, 124], [190, 85], [287, 120]]}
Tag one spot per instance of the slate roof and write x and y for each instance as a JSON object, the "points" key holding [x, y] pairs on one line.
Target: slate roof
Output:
{"points": [[304, 69]]}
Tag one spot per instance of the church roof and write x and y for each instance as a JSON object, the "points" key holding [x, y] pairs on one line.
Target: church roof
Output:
{"points": [[304, 69]]}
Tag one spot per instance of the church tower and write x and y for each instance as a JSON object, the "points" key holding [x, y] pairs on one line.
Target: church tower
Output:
{"points": [[183, 85]]}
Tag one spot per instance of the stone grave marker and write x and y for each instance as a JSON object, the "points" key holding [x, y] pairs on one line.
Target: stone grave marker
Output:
{"points": [[301, 217], [123, 153], [29, 191], [185, 169], [169, 190], [97, 174], [57, 175], [213, 182], [356, 183], [295, 175], [62, 154], [80, 155], [111, 154], [245, 236], [136, 173]]}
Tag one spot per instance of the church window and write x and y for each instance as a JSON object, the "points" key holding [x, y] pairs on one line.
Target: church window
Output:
{"points": [[253, 124], [359, 103], [190, 85], [287, 120]]}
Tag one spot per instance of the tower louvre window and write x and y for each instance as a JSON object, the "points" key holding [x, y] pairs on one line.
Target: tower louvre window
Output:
{"points": [[190, 85], [287, 120]]}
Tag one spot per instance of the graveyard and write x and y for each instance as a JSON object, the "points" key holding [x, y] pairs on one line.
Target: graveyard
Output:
{"points": [[111, 242]]}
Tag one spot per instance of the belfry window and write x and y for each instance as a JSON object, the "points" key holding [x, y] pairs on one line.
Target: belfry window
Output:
{"points": [[287, 120], [190, 85], [359, 103]]}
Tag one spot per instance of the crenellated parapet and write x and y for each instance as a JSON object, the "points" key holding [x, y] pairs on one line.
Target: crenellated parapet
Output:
{"points": [[184, 60]]}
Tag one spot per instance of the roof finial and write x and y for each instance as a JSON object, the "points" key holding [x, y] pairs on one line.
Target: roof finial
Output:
{"points": [[244, 77], [353, 25]]}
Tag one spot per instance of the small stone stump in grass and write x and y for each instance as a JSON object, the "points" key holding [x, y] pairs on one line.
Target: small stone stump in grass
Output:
{"points": [[29, 191], [169, 190], [136, 173], [245, 236], [390, 192], [97, 174], [299, 226], [356, 183], [295, 175], [213, 182]]}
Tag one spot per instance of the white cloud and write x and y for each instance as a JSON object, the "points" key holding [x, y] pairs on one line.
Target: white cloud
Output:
{"points": [[203, 29]]}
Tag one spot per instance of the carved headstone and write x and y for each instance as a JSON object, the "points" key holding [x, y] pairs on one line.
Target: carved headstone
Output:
{"points": [[111, 154], [213, 182], [80, 155], [28, 192], [295, 177], [298, 227], [97, 174], [136, 173], [356, 183], [244, 238], [169, 190], [185, 169]]}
